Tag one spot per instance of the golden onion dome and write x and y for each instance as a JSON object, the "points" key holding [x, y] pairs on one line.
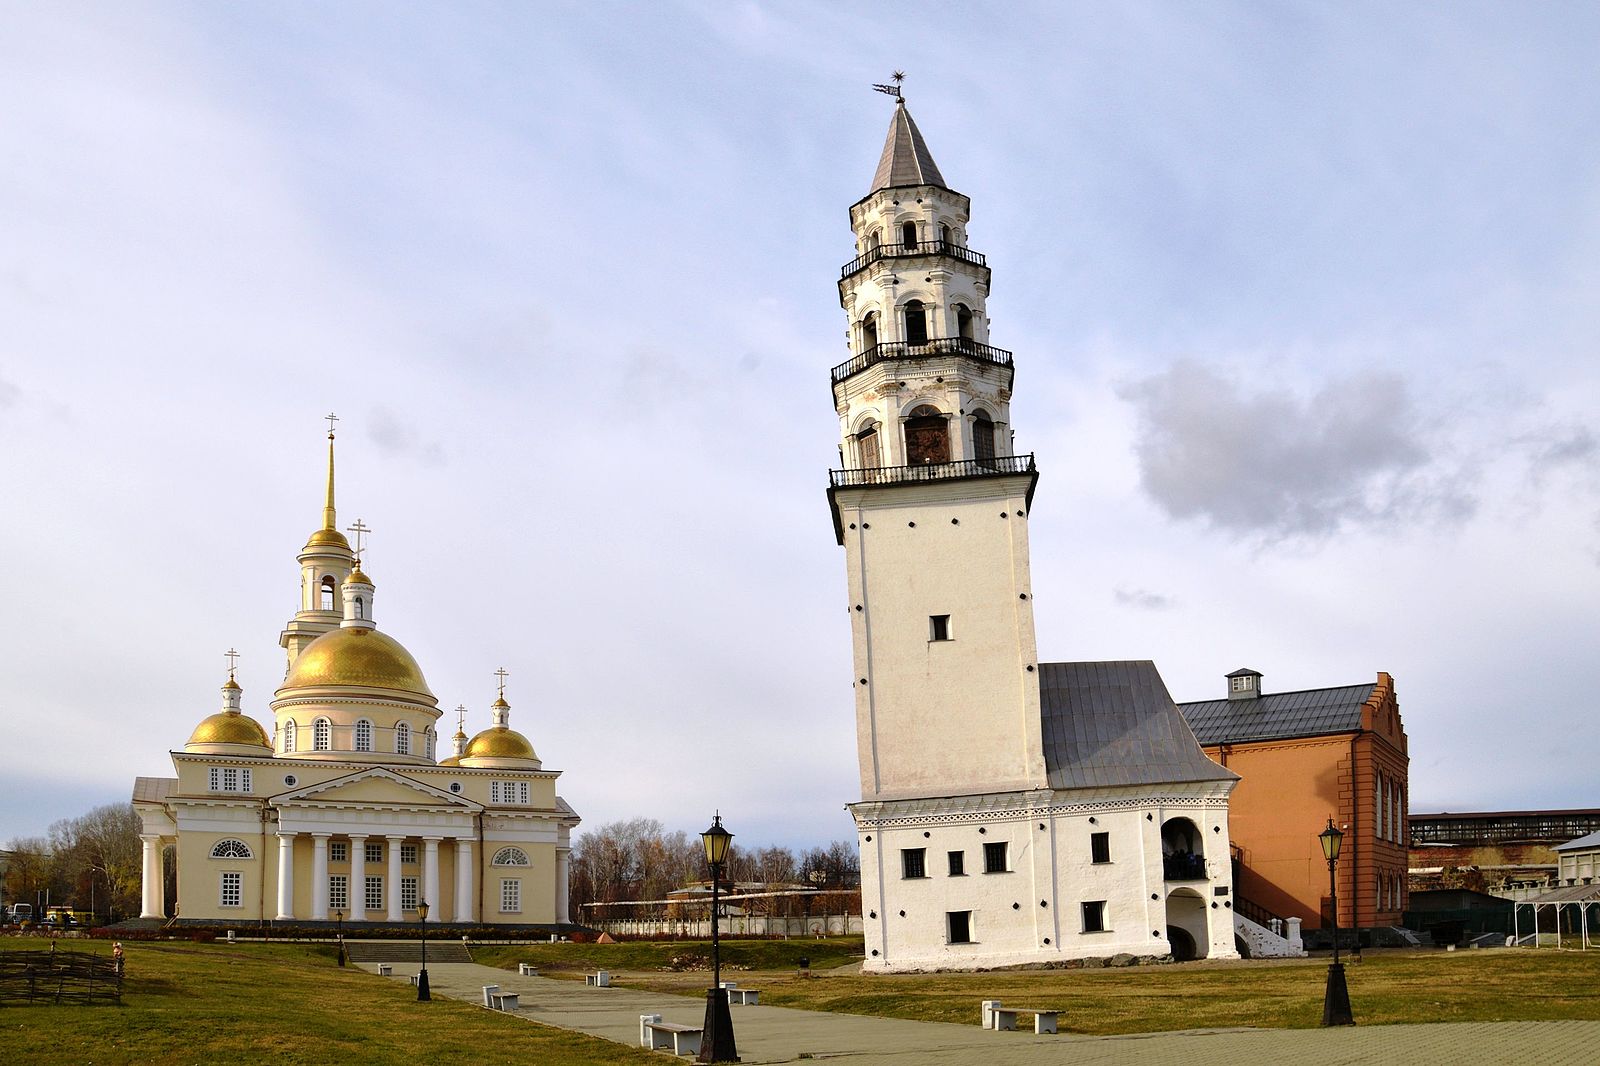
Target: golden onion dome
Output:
{"points": [[357, 656], [231, 685], [230, 727], [357, 577], [328, 538], [500, 704], [499, 742], [450, 760]]}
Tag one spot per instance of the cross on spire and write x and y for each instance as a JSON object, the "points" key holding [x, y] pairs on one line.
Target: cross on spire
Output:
{"points": [[502, 675], [233, 661], [461, 718], [360, 529], [332, 418]]}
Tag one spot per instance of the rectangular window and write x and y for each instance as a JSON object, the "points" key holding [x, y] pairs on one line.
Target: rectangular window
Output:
{"points": [[232, 890], [960, 925], [338, 851], [408, 854], [938, 627], [374, 852], [408, 893], [374, 894], [510, 897], [1100, 847], [913, 862], [244, 780], [216, 779], [338, 892], [994, 858], [958, 864], [1094, 916], [230, 779], [508, 792], [494, 792], [522, 792]]}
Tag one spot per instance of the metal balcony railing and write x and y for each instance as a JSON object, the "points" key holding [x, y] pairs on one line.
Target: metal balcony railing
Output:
{"points": [[950, 471], [1183, 866], [962, 346], [902, 251]]}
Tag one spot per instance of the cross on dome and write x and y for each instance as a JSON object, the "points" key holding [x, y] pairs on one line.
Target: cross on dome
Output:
{"points": [[332, 418], [233, 661], [502, 675], [360, 529]]}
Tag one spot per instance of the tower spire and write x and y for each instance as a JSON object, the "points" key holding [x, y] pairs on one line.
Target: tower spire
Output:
{"points": [[329, 519]]}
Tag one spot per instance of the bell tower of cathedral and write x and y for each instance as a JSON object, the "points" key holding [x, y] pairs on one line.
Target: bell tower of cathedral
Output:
{"points": [[325, 562], [930, 502]]}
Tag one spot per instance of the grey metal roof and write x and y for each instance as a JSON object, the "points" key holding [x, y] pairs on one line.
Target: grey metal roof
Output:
{"points": [[1277, 715], [1590, 841], [153, 789], [906, 159], [1109, 724]]}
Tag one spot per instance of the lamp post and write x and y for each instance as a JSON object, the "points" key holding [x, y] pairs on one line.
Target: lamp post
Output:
{"points": [[338, 917], [716, 1041], [1336, 1001], [422, 978]]}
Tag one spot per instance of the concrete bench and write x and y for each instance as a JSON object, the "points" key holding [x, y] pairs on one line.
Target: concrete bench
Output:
{"points": [[601, 979], [1005, 1018], [658, 1035], [385, 970], [415, 978], [503, 1001], [527, 969], [489, 992], [743, 996]]}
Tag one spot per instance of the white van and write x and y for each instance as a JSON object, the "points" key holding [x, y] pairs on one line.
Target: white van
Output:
{"points": [[20, 912]]}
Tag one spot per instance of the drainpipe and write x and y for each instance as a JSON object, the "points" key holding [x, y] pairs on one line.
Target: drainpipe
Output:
{"points": [[478, 858], [261, 889]]}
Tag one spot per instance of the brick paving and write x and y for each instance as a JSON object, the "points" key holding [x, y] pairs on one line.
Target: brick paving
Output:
{"points": [[782, 1034]]}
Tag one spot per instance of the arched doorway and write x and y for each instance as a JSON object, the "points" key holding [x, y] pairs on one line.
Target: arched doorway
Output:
{"points": [[1186, 925], [916, 323], [1182, 851], [927, 437]]}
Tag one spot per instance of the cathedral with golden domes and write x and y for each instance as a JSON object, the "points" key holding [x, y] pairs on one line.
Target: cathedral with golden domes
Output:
{"points": [[345, 812]]}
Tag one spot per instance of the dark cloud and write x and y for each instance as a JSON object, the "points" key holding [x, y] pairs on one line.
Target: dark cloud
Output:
{"points": [[1269, 462], [395, 437], [1143, 599]]}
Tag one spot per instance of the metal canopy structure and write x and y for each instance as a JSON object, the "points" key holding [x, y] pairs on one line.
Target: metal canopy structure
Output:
{"points": [[1573, 901]]}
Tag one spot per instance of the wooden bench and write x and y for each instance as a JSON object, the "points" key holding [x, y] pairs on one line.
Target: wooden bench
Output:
{"points": [[385, 970], [1005, 1018], [527, 969], [743, 996], [600, 979], [658, 1035]]}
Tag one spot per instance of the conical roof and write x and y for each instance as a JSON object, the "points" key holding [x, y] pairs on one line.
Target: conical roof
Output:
{"points": [[906, 159]]}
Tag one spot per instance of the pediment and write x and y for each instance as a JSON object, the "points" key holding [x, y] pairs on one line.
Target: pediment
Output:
{"points": [[375, 787]]}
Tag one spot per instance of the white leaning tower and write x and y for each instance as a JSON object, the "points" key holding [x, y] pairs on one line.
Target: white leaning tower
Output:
{"points": [[981, 844]]}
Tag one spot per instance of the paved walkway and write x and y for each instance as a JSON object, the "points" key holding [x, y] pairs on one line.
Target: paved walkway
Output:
{"points": [[782, 1034]]}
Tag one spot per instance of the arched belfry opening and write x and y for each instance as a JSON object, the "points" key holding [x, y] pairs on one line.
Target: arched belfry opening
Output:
{"points": [[982, 436], [916, 322], [328, 601], [927, 437], [869, 331], [964, 322], [868, 447], [946, 238], [908, 234]]}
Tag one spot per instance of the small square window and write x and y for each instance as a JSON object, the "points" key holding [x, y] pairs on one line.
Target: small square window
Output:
{"points": [[938, 627], [958, 864], [994, 858], [1100, 847], [338, 851], [960, 926], [913, 862], [1094, 916], [374, 852], [408, 854]]}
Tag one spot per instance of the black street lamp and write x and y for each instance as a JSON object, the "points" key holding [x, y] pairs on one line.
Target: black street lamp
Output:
{"points": [[1336, 1001], [716, 1041], [423, 994], [338, 917]]}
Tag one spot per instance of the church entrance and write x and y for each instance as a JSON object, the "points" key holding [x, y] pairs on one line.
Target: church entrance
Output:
{"points": [[1186, 925]]}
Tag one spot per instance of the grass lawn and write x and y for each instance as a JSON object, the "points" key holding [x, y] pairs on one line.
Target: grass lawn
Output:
{"points": [[1386, 987], [279, 1003]]}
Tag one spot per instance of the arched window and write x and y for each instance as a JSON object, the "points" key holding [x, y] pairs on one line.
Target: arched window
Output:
{"points": [[321, 735], [402, 739], [927, 437], [430, 736], [1182, 852], [964, 322], [908, 234], [867, 453], [328, 593], [511, 857], [916, 323], [982, 436], [231, 849], [945, 236], [874, 240], [361, 607], [288, 735], [363, 735], [869, 331]]}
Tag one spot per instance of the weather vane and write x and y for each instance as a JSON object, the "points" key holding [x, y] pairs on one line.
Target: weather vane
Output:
{"points": [[893, 90], [233, 661], [502, 675], [360, 529], [332, 418]]}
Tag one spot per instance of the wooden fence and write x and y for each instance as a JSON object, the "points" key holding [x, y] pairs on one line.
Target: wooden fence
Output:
{"points": [[58, 977]]}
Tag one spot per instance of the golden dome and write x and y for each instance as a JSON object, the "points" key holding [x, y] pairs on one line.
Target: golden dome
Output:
{"points": [[357, 577], [450, 760], [357, 656], [328, 538], [231, 685], [499, 742], [229, 727]]}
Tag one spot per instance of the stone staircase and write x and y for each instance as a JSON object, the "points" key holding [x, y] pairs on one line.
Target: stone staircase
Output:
{"points": [[407, 951], [1263, 943]]}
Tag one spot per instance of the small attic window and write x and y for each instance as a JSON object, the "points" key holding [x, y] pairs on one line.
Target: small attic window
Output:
{"points": [[1244, 685]]}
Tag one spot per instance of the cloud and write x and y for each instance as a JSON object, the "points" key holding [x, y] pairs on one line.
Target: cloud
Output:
{"points": [[1143, 599], [1281, 466], [397, 438]]}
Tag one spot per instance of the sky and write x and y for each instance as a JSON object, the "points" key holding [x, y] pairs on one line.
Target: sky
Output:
{"points": [[1301, 296]]}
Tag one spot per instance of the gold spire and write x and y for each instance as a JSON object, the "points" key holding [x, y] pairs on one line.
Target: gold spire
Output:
{"points": [[329, 521]]}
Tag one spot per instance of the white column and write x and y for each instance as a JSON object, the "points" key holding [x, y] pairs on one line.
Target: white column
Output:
{"points": [[319, 877], [150, 906], [563, 882], [393, 887], [430, 871], [285, 877], [464, 879], [358, 878]]}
